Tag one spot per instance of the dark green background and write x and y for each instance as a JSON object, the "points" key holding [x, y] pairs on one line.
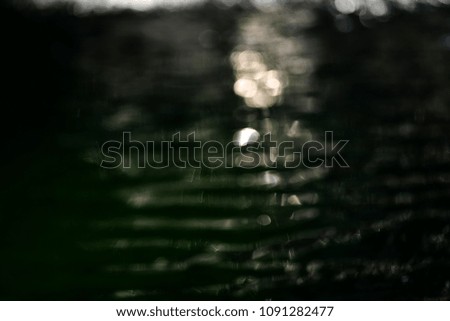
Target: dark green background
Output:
{"points": [[380, 229]]}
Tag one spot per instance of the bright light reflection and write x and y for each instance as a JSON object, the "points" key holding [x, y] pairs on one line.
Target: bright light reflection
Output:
{"points": [[105, 5], [246, 136], [259, 86], [377, 8], [345, 6], [245, 87]]}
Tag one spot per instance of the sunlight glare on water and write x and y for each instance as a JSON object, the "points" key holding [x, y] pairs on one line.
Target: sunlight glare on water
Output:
{"points": [[106, 5], [246, 136]]}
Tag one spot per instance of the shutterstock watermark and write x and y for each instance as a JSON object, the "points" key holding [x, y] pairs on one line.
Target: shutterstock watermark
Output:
{"points": [[188, 152]]}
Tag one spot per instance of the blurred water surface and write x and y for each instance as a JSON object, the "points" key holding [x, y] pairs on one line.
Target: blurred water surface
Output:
{"points": [[374, 73]]}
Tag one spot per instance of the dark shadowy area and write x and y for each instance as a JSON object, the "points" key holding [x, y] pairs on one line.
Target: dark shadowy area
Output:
{"points": [[377, 230]]}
